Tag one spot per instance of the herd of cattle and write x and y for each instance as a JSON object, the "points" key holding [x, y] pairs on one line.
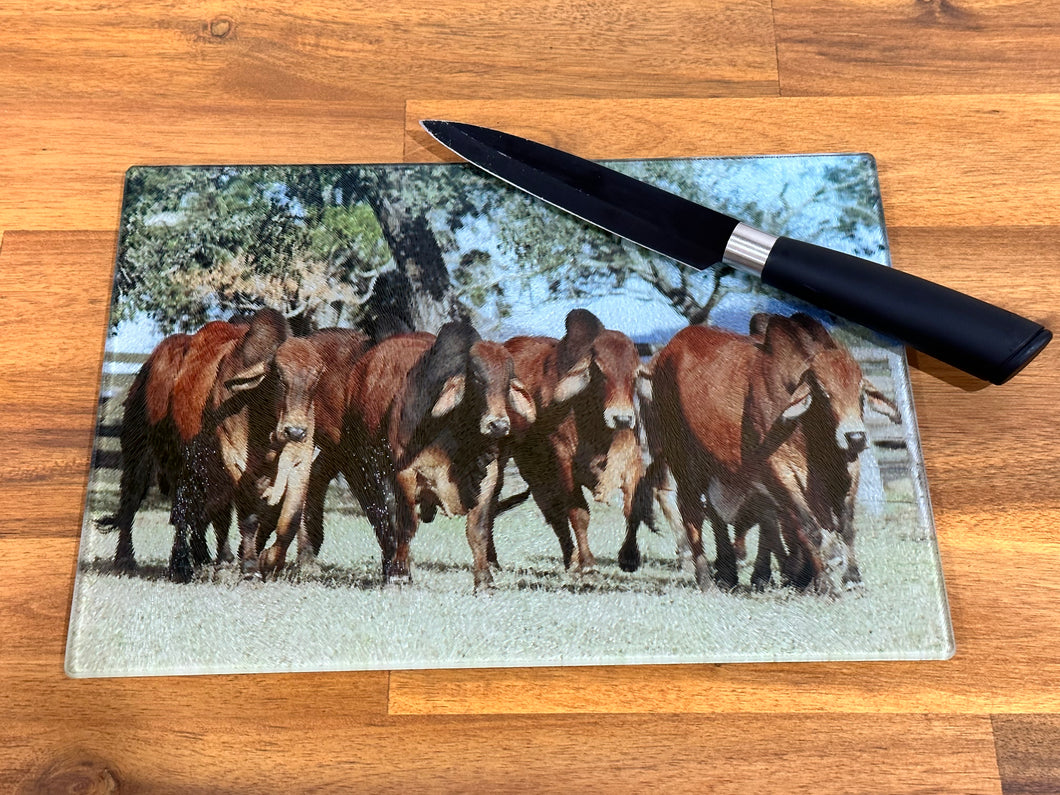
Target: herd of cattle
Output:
{"points": [[740, 430]]}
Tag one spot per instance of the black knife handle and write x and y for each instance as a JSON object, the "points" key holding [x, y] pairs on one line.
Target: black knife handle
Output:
{"points": [[984, 340]]}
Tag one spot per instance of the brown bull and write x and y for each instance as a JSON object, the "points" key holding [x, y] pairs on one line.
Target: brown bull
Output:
{"points": [[151, 448], [726, 403], [339, 350], [584, 436], [243, 393], [424, 420], [820, 462]]}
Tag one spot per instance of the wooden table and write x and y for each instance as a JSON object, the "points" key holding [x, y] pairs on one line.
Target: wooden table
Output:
{"points": [[951, 96]]}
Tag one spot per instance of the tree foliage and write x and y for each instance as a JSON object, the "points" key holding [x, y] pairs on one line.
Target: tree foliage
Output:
{"points": [[351, 244]]}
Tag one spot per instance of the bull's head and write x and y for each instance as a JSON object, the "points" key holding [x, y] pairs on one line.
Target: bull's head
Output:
{"points": [[843, 394], [298, 368], [607, 362], [489, 388]]}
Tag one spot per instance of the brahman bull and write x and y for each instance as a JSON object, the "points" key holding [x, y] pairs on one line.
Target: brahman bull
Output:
{"points": [[821, 459], [242, 396], [584, 435], [151, 448], [424, 420]]}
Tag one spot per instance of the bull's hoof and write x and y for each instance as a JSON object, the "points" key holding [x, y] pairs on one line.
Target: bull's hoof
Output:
{"points": [[824, 587], [483, 583], [249, 567], [583, 570], [270, 563], [125, 564], [629, 559], [180, 568], [726, 577], [852, 578], [224, 555], [704, 576], [761, 582], [397, 573]]}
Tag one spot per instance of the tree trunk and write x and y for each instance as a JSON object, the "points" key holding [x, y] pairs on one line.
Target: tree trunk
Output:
{"points": [[419, 293]]}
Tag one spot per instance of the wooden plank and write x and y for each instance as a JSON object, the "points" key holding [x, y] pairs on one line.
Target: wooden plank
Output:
{"points": [[1026, 753], [51, 361], [943, 161], [161, 83], [375, 55], [724, 754], [925, 47], [42, 145]]}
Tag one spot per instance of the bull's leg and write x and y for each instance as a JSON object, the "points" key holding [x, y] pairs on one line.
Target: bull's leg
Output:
{"points": [[491, 513], [379, 518], [249, 523], [690, 508], [725, 573], [398, 570], [578, 515], [478, 535], [188, 514], [221, 519], [852, 574], [183, 516], [271, 560], [135, 481], [401, 511], [740, 530], [770, 545], [759, 510], [561, 527], [311, 533], [200, 550], [551, 505], [640, 512], [802, 567]]}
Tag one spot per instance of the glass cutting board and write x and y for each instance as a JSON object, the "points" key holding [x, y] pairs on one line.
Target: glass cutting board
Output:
{"points": [[396, 248]]}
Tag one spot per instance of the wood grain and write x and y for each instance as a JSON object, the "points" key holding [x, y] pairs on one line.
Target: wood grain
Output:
{"points": [[939, 157], [376, 55], [918, 47], [1026, 753], [956, 98], [723, 754]]}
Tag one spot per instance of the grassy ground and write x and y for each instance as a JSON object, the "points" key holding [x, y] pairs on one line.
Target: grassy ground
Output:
{"points": [[344, 619]]}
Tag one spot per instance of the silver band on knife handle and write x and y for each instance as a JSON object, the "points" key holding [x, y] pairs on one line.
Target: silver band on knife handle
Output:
{"points": [[748, 249]]}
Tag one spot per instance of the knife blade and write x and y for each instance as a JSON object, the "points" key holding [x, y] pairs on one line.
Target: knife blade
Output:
{"points": [[977, 337]]}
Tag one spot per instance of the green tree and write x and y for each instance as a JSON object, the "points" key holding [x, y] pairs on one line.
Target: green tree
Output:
{"points": [[420, 245]]}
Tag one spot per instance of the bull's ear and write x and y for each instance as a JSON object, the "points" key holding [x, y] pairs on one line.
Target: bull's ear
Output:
{"points": [[575, 381], [643, 382], [880, 403], [247, 379], [520, 401], [757, 326], [452, 394], [799, 402]]}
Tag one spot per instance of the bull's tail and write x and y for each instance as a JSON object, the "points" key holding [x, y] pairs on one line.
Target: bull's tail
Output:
{"points": [[514, 501]]}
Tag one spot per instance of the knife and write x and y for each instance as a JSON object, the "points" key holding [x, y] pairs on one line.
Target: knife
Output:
{"points": [[984, 340]]}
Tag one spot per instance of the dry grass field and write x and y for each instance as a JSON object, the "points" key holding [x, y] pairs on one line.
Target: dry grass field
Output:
{"points": [[342, 618]]}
